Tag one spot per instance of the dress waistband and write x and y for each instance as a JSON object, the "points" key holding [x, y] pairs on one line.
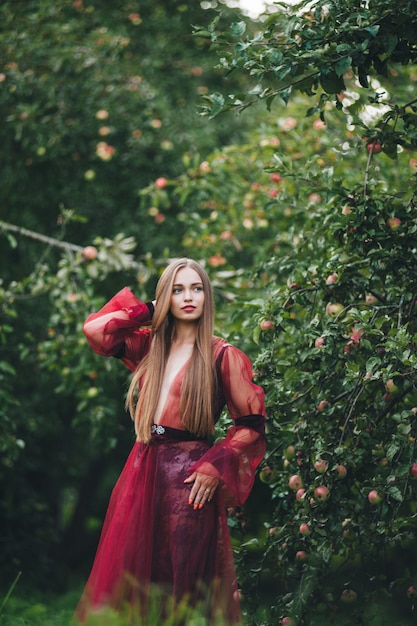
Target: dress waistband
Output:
{"points": [[158, 431]]}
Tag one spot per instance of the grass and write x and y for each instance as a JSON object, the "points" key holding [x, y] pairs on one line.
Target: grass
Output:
{"points": [[34, 609]]}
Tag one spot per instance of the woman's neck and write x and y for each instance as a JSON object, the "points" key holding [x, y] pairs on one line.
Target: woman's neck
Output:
{"points": [[184, 333]]}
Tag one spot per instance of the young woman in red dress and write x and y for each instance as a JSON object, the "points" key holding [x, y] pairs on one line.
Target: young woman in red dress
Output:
{"points": [[165, 529]]}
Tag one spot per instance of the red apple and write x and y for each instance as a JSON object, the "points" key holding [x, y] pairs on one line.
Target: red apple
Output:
{"points": [[319, 342], [394, 222], [332, 279], [276, 177], [374, 146], [301, 555], [295, 482], [289, 453], [159, 218], [90, 253], [287, 621], [304, 529], [413, 470], [300, 494], [322, 405], [374, 497], [341, 471], [321, 493], [267, 325], [321, 466], [161, 182], [216, 260], [348, 596], [334, 308], [411, 592], [391, 387]]}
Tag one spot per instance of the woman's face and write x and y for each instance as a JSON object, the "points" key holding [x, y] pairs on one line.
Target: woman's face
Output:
{"points": [[187, 299]]}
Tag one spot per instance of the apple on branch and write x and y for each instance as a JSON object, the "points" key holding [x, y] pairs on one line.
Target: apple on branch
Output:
{"points": [[413, 470], [161, 182], [348, 596], [267, 325], [322, 405], [394, 223], [319, 342], [374, 497], [289, 452], [295, 482], [300, 494], [374, 146], [334, 308], [332, 279], [321, 493], [321, 466], [90, 253], [341, 471]]}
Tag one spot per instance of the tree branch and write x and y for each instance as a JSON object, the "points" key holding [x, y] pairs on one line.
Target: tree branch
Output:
{"points": [[51, 241]]}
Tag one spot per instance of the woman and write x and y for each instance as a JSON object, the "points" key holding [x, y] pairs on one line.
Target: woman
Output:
{"points": [[166, 527]]}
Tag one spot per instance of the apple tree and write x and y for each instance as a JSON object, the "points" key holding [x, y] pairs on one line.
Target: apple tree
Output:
{"points": [[322, 210]]}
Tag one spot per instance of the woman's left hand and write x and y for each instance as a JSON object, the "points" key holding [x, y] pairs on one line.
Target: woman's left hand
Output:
{"points": [[202, 490]]}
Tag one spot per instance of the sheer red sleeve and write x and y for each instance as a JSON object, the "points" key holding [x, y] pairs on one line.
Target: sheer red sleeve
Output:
{"points": [[116, 330], [235, 458]]}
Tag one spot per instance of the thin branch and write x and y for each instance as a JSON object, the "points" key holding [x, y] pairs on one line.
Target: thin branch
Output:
{"points": [[51, 241], [409, 104], [368, 165]]}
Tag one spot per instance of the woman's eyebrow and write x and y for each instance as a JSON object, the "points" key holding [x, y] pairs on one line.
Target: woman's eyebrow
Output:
{"points": [[181, 285]]}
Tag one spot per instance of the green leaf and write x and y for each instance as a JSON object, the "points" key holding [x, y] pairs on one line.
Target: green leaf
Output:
{"points": [[373, 30], [331, 82], [395, 494], [237, 29], [392, 451], [342, 66]]}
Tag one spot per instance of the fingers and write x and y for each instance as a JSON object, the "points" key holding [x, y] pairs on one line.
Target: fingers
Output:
{"points": [[202, 490], [191, 478]]}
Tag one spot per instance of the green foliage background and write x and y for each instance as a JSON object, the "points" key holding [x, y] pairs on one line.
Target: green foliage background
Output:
{"points": [[304, 212]]}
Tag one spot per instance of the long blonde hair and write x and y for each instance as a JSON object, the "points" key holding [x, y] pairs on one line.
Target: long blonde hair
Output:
{"points": [[197, 399]]}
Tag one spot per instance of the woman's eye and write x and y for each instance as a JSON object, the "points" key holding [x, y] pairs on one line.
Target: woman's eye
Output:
{"points": [[177, 290]]}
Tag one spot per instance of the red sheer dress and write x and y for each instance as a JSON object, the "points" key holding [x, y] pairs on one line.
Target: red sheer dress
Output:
{"points": [[151, 537]]}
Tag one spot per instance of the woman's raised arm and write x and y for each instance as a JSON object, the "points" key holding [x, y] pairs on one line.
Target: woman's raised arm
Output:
{"points": [[108, 330]]}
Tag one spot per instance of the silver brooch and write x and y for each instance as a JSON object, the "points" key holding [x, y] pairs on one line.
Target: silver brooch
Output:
{"points": [[159, 430]]}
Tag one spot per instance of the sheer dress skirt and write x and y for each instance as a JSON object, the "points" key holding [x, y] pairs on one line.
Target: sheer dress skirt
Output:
{"points": [[152, 537]]}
